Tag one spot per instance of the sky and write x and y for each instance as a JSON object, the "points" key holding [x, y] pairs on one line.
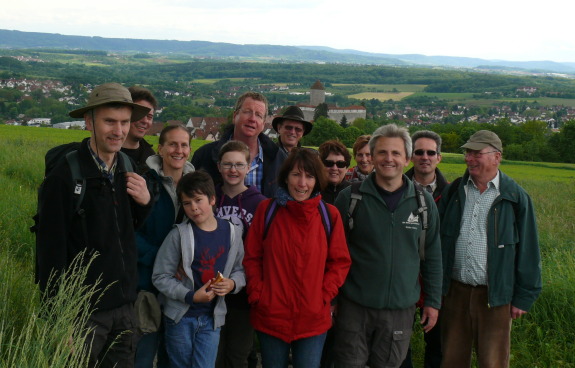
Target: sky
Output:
{"points": [[511, 30]]}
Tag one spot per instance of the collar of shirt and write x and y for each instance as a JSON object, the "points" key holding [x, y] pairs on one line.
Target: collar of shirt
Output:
{"points": [[491, 183], [108, 173], [429, 187]]}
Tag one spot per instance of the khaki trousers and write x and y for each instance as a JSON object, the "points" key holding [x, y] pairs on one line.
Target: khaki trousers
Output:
{"points": [[468, 323]]}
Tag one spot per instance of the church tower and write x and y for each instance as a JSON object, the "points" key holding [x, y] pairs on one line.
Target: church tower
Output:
{"points": [[317, 94]]}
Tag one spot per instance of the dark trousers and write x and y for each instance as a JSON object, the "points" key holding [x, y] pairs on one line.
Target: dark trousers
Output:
{"points": [[467, 322], [432, 356], [236, 339], [113, 339]]}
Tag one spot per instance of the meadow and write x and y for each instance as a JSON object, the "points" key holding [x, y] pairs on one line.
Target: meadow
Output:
{"points": [[545, 337]]}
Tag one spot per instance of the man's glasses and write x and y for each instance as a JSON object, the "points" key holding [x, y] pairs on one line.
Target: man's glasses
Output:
{"points": [[294, 128], [476, 154], [339, 164], [421, 152], [229, 165]]}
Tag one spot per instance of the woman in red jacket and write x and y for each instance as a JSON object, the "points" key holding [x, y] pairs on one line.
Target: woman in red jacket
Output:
{"points": [[295, 268]]}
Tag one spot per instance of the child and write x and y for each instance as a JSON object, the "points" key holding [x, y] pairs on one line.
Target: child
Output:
{"points": [[236, 202], [194, 308]]}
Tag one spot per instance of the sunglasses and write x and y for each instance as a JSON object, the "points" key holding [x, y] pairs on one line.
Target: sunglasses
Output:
{"points": [[294, 128], [421, 152], [339, 164]]}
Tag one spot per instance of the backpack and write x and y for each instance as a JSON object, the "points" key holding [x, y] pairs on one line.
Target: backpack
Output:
{"points": [[322, 208], [420, 212], [54, 156]]}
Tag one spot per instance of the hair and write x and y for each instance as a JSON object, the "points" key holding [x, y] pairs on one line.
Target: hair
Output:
{"points": [[391, 131], [143, 94], [168, 129], [254, 96], [360, 142], [306, 159], [234, 146], [196, 183], [336, 147], [427, 134]]}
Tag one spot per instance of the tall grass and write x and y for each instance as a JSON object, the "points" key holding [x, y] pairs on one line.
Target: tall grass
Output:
{"points": [[543, 338]]}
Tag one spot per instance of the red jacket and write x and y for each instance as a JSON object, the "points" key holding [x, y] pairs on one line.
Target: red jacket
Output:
{"points": [[293, 274]]}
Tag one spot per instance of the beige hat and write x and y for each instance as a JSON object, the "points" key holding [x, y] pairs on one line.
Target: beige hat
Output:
{"points": [[483, 138], [111, 93]]}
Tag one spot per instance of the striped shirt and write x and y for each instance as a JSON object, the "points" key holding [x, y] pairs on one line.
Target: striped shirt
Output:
{"points": [[108, 173], [470, 266]]}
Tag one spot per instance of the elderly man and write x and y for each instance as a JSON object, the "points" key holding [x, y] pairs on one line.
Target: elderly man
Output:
{"points": [[114, 203], [492, 265], [135, 145], [426, 156], [377, 302], [248, 123], [291, 127]]}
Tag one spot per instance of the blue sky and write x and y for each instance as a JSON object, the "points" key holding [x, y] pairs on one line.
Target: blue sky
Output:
{"points": [[489, 29]]}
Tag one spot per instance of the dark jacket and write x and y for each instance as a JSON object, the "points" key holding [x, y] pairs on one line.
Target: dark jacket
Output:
{"points": [[329, 194], [439, 180], [110, 217], [206, 158], [140, 155], [513, 258]]}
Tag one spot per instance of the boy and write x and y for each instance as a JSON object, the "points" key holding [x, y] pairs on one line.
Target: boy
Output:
{"points": [[236, 202], [194, 308]]}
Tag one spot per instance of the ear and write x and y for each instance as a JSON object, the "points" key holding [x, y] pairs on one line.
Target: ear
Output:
{"points": [[88, 121], [213, 201], [439, 157]]}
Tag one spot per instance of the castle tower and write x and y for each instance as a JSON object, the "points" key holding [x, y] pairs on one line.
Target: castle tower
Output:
{"points": [[317, 94]]}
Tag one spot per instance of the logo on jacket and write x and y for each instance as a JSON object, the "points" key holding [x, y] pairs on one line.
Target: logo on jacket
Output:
{"points": [[412, 222]]}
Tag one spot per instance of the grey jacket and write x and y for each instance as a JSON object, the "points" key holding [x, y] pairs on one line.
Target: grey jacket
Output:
{"points": [[179, 245]]}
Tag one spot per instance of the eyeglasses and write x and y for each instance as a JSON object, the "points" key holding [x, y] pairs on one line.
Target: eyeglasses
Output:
{"points": [[294, 128], [476, 154], [229, 165], [421, 152], [249, 113], [339, 164]]}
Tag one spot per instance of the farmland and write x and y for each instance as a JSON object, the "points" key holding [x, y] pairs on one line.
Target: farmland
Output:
{"points": [[543, 338]]}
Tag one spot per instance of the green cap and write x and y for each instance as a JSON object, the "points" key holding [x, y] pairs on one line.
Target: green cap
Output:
{"points": [[483, 138]]}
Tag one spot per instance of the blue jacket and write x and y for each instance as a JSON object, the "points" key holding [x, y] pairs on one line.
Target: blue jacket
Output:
{"points": [[513, 259]]}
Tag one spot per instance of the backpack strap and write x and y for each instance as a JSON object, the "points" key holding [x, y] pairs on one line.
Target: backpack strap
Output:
{"points": [[422, 213], [325, 219], [270, 214], [355, 197], [79, 190], [128, 167]]}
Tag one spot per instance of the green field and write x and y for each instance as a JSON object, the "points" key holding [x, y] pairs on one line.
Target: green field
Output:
{"points": [[382, 87], [543, 338], [382, 96]]}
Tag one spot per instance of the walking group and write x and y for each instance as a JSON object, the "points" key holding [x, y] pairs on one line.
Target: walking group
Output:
{"points": [[261, 246]]}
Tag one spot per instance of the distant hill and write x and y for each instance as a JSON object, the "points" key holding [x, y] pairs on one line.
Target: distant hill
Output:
{"points": [[315, 54]]}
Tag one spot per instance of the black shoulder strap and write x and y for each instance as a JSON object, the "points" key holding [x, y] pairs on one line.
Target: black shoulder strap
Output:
{"points": [[128, 167], [270, 214], [422, 213], [79, 190], [355, 197]]}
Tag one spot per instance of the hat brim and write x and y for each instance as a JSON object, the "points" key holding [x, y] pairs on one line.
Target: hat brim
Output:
{"points": [[138, 111], [307, 126]]}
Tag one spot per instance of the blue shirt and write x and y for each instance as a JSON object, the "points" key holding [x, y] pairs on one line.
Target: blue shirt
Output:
{"points": [[256, 173]]}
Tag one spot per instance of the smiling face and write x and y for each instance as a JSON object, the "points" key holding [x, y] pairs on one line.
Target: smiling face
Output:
{"points": [[233, 175], [175, 150], [483, 164], [139, 128], [290, 132], [389, 158], [300, 184], [335, 175], [423, 162], [249, 119], [363, 159], [109, 130], [199, 208]]}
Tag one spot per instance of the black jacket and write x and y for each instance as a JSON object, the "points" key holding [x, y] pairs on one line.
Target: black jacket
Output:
{"points": [[206, 158], [110, 218]]}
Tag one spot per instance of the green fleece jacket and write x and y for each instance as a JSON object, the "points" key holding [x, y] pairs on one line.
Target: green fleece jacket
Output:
{"points": [[513, 258], [384, 247]]}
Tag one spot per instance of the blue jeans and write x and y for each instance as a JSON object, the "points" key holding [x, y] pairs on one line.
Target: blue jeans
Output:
{"points": [[306, 353], [192, 342]]}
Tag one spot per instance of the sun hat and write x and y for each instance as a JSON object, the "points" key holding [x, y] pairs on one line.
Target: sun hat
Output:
{"points": [[292, 113], [111, 93], [483, 138]]}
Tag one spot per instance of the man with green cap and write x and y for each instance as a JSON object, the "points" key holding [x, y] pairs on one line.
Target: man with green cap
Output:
{"points": [[113, 204], [491, 259]]}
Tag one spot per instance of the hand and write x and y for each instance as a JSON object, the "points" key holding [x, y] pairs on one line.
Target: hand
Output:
{"points": [[429, 318], [202, 295], [516, 312], [180, 273], [223, 287], [137, 188]]}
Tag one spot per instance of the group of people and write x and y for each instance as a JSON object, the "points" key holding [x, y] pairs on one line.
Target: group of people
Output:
{"points": [[324, 263]]}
